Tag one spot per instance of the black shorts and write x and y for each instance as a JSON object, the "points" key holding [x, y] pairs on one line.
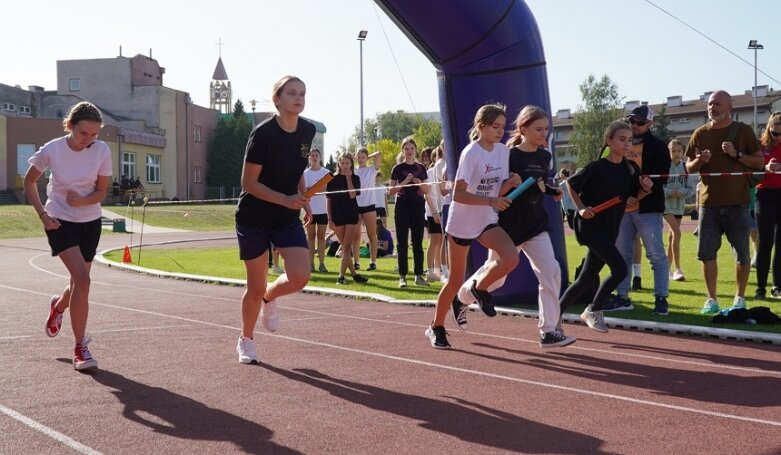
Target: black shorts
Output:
{"points": [[432, 226], [254, 241], [467, 242], [381, 212], [84, 235], [367, 209], [320, 218]]}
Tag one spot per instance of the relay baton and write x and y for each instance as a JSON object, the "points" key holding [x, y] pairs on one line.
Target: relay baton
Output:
{"points": [[606, 205], [317, 187], [521, 188]]}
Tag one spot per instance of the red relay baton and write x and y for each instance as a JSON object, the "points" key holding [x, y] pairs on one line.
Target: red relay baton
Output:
{"points": [[606, 205], [317, 187]]}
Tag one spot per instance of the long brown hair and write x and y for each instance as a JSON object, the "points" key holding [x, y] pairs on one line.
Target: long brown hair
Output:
{"points": [[486, 115], [767, 139], [526, 117]]}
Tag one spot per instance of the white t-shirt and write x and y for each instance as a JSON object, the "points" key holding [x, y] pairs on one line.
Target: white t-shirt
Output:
{"points": [[433, 193], [317, 202], [72, 170], [483, 172], [367, 175], [380, 196], [439, 168]]}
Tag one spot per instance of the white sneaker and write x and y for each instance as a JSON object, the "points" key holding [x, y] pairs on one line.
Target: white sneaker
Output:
{"points": [[246, 350], [739, 302], [595, 320], [402, 282], [678, 276], [269, 316]]}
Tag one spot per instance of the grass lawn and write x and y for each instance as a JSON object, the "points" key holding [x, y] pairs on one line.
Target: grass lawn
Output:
{"points": [[193, 217], [686, 298]]}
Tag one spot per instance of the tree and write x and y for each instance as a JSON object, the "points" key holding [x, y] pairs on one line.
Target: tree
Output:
{"points": [[601, 106], [661, 126], [331, 165], [395, 126], [226, 153]]}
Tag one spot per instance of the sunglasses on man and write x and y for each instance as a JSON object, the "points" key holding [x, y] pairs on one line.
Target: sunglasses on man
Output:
{"points": [[638, 122]]}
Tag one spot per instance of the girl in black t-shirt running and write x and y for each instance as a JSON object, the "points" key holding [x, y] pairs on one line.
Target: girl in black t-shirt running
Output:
{"points": [[343, 215], [269, 208], [596, 183]]}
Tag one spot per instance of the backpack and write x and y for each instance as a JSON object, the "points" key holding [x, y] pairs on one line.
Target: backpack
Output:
{"points": [[753, 179]]}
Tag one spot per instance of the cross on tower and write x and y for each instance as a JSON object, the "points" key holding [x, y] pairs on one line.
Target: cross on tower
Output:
{"points": [[219, 43]]}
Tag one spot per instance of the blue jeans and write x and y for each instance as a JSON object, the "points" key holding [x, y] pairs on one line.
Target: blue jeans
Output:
{"points": [[649, 227]]}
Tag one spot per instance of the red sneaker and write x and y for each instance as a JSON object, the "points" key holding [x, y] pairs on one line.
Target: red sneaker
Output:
{"points": [[54, 321], [82, 359]]}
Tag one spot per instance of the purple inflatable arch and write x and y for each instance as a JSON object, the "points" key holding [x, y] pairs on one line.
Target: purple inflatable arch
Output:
{"points": [[483, 51]]}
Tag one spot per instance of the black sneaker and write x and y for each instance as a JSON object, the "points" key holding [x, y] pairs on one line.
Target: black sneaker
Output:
{"points": [[372, 267], [459, 311], [438, 337], [555, 339], [661, 307], [637, 283], [618, 303], [357, 266], [360, 278], [483, 300], [341, 280], [761, 294]]}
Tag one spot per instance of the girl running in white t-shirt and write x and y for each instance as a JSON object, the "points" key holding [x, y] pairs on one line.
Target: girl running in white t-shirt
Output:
{"points": [[80, 168], [481, 177]]}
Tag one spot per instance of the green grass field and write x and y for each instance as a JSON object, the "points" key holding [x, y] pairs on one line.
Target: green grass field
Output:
{"points": [[686, 298], [193, 217]]}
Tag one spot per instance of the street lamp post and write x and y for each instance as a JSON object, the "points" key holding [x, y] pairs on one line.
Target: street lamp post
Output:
{"points": [[362, 36], [753, 44], [253, 103]]}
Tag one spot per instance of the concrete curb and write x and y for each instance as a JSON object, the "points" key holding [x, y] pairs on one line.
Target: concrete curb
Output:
{"points": [[631, 324]]}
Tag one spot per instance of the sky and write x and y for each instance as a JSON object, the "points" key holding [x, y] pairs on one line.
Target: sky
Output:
{"points": [[647, 53]]}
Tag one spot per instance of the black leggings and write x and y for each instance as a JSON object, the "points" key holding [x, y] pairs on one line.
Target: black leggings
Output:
{"points": [[768, 213], [601, 250], [410, 217]]}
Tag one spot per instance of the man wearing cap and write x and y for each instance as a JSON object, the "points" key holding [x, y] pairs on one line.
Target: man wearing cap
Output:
{"points": [[646, 220], [722, 145]]}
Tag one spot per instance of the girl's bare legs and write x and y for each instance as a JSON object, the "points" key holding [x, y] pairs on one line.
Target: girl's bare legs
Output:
{"points": [[78, 298], [457, 256]]}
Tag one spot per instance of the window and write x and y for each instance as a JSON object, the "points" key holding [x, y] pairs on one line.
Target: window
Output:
{"points": [[25, 110], [23, 153], [129, 164], [153, 168], [197, 174], [196, 133], [74, 85], [9, 107]]}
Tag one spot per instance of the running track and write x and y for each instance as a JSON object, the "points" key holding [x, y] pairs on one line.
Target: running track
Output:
{"points": [[347, 376]]}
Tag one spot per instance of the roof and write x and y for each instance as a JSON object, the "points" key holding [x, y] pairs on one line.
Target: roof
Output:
{"points": [[142, 138], [219, 72]]}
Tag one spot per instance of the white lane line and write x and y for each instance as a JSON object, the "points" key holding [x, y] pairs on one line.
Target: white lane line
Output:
{"points": [[474, 372], [613, 353], [56, 435], [18, 337], [40, 269], [136, 329]]}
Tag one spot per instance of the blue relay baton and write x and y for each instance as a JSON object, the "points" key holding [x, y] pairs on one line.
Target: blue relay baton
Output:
{"points": [[521, 188]]}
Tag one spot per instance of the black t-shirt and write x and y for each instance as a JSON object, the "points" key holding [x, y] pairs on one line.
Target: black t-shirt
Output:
{"points": [[283, 156], [409, 194], [600, 181], [526, 217], [343, 207], [656, 160]]}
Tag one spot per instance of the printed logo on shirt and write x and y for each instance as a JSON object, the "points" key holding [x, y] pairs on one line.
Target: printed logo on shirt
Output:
{"points": [[486, 186], [304, 150], [489, 168]]}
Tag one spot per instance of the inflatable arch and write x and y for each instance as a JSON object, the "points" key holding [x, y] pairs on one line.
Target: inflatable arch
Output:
{"points": [[483, 51]]}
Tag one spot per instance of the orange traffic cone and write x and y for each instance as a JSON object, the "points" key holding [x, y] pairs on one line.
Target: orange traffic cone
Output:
{"points": [[126, 257]]}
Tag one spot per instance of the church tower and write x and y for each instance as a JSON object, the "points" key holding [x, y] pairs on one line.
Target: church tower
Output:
{"points": [[220, 93]]}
